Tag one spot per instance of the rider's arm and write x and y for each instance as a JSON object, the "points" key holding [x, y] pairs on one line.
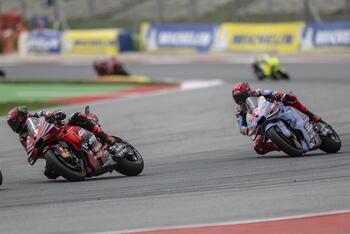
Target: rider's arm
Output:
{"points": [[268, 94], [56, 115], [28, 144], [242, 121]]}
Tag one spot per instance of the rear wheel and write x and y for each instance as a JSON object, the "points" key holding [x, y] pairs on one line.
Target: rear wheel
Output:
{"points": [[283, 75], [71, 167], [0, 178], [258, 72], [290, 146], [132, 162]]}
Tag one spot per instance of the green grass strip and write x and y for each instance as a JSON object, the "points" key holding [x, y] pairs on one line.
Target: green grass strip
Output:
{"points": [[32, 106]]}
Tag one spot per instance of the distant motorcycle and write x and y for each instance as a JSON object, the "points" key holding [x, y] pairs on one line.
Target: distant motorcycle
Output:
{"points": [[289, 129], [110, 67], [269, 68], [75, 153]]}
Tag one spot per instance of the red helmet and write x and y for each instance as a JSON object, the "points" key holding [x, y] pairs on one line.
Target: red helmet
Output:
{"points": [[17, 118], [240, 92]]}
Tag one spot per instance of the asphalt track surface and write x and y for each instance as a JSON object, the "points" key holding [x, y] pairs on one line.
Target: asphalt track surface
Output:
{"points": [[198, 169]]}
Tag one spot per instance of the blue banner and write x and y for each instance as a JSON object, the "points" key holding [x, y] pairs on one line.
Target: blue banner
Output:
{"points": [[180, 36], [44, 42], [326, 35]]}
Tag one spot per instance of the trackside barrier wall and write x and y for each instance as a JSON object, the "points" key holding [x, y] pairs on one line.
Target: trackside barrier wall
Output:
{"points": [[258, 37], [75, 42], [43, 42], [326, 36], [90, 42], [196, 37]]}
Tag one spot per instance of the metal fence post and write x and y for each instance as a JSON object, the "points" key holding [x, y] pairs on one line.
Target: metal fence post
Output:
{"points": [[60, 20], [159, 11], [91, 8], [24, 9], [235, 5], [310, 12], [347, 6], [192, 10]]}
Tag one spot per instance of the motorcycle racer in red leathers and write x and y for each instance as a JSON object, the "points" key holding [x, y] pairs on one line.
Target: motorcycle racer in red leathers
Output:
{"points": [[241, 91], [18, 116]]}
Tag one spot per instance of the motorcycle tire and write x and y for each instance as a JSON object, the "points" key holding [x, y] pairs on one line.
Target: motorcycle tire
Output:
{"points": [[62, 169], [130, 166], [283, 75], [0, 178], [332, 143], [283, 143]]}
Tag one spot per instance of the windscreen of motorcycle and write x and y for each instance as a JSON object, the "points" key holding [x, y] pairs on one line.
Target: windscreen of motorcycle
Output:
{"points": [[32, 125], [251, 104]]}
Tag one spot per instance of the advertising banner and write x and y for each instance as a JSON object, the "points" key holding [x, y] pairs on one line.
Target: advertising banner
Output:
{"points": [[41, 42], [90, 42], [198, 37], [259, 37], [326, 35]]}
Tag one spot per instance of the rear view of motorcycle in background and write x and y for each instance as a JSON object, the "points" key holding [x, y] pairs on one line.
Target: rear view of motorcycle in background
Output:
{"points": [[269, 67], [75, 153]]}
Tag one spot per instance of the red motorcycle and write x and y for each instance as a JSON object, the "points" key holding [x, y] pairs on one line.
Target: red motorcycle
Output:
{"points": [[75, 153]]}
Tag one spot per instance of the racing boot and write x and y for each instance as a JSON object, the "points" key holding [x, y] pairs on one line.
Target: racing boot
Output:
{"points": [[265, 148], [108, 139], [262, 148], [313, 117], [302, 108], [50, 173], [90, 124]]}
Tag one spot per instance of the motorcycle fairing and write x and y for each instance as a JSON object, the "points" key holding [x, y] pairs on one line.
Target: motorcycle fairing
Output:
{"points": [[84, 142], [298, 121]]}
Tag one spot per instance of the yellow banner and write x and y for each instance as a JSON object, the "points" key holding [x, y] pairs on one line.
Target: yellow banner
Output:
{"points": [[90, 42], [259, 37]]}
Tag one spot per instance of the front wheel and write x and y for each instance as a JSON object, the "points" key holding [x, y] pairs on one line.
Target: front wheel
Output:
{"points": [[70, 167], [290, 146], [131, 164]]}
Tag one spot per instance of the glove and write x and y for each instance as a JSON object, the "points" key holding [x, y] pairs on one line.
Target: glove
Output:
{"points": [[57, 115], [244, 131], [278, 95]]}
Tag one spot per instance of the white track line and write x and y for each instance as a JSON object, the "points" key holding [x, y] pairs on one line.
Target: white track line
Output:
{"points": [[130, 231]]}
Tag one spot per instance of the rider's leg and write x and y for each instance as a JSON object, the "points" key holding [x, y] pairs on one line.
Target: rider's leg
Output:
{"points": [[292, 100], [262, 148], [83, 121]]}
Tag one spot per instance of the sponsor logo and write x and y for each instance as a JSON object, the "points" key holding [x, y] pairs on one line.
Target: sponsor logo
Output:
{"points": [[188, 36], [95, 43], [44, 42], [333, 37], [326, 35], [263, 39], [185, 38]]}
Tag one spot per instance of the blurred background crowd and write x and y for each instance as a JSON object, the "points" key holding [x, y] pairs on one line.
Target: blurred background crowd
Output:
{"points": [[20, 15]]}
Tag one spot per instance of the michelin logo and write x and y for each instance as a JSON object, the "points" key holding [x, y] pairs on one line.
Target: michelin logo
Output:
{"points": [[185, 39], [333, 37], [43, 43], [320, 35], [263, 39]]}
